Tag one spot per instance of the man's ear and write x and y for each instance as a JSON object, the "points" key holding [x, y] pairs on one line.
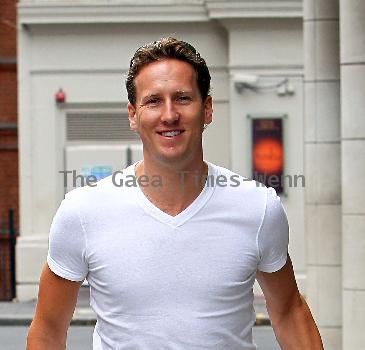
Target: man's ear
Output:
{"points": [[208, 110], [132, 117]]}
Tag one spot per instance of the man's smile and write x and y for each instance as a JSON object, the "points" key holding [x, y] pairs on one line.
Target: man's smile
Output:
{"points": [[170, 133]]}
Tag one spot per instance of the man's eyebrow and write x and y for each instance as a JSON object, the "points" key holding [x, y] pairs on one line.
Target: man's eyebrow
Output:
{"points": [[150, 96], [179, 92]]}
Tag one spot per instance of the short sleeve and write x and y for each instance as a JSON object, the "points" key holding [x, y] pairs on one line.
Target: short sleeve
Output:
{"points": [[273, 235], [67, 246]]}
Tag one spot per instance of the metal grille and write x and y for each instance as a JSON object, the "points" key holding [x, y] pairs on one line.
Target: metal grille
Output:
{"points": [[99, 127], [7, 258]]}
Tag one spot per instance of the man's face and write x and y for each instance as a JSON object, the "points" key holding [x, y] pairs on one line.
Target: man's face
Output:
{"points": [[169, 113]]}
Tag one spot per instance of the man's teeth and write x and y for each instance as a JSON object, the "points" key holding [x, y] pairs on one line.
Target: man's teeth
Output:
{"points": [[171, 133]]}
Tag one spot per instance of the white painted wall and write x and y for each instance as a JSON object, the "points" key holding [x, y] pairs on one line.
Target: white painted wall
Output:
{"points": [[272, 51], [269, 103], [89, 60], [265, 43], [89, 63]]}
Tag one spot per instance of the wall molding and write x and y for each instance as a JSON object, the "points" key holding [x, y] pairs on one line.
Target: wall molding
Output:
{"points": [[159, 11], [224, 9], [111, 12]]}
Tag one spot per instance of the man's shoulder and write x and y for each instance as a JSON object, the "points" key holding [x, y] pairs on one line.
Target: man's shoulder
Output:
{"points": [[228, 179]]}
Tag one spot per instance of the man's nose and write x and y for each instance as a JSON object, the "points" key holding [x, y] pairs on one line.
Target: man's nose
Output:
{"points": [[169, 114]]}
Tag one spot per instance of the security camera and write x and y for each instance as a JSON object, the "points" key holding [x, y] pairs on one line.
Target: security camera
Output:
{"points": [[245, 81]]}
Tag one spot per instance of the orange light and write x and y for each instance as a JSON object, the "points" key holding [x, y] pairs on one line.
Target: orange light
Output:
{"points": [[268, 156]]}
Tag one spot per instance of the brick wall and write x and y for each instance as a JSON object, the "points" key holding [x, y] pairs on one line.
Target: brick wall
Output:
{"points": [[8, 92], [8, 28], [8, 112]]}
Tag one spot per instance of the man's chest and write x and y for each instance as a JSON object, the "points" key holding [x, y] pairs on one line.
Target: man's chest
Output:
{"points": [[154, 262]]}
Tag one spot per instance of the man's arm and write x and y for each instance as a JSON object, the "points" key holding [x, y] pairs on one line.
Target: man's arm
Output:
{"points": [[56, 303], [289, 313]]}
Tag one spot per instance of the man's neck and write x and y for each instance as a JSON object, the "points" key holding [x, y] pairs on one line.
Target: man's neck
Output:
{"points": [[180, 184]]}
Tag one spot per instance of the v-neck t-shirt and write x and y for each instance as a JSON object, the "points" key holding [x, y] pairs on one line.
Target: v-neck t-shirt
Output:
{"points": [[170, 282]]}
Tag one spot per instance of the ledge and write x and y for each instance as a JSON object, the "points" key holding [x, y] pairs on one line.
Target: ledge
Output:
{"points": [[111, 12], [159, 11], [223, 9]]}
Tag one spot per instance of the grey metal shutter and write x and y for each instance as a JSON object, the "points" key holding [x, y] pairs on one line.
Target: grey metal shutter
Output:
{"points": [[99, 127]]}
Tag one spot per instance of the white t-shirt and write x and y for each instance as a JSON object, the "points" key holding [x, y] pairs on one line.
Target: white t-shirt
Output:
{"points": [[166, 282]]}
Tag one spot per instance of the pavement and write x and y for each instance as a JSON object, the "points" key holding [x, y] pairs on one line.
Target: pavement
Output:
{"points": [[16, 313]]}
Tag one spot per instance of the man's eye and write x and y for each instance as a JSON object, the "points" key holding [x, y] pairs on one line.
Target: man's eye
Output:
{"points": [[153, 101], [183, 98]]}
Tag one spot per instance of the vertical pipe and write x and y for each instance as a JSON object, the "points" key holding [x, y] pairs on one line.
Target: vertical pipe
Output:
{"points": [[12, 242]]}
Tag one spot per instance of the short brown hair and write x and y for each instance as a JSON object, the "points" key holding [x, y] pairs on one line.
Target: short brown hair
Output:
{"points": [[168, 48]]}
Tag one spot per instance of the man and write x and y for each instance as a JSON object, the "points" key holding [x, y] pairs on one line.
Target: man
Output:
{"points": [[171, 262]]}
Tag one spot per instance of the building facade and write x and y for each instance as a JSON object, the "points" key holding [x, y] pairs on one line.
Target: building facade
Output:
{"points": [[273, 66]]}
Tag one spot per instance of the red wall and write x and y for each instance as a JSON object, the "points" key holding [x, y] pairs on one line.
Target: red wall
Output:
{"points": [[8, 111]]}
